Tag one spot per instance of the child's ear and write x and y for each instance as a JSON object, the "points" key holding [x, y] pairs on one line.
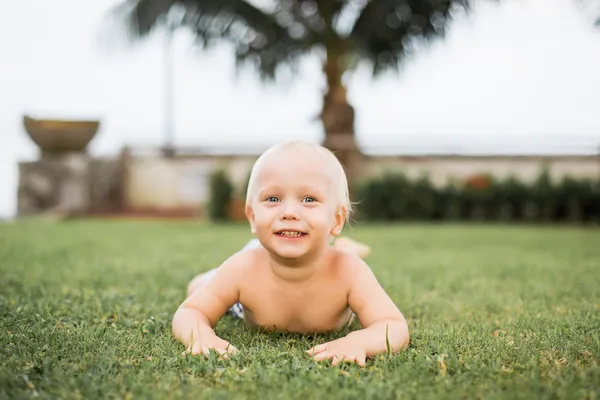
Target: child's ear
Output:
{"points": [[250, 215], [339, 220]]}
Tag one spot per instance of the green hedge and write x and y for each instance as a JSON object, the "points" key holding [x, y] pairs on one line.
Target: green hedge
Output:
{"points": [[221, 196], [394, 197]]}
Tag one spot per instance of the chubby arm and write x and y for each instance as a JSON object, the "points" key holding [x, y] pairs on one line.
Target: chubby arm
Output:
{"points": [[382, 322], [196, 317]]}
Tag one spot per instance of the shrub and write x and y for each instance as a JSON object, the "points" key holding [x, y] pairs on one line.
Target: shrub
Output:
{"points": [[424, 202], [511, 197], [478, 195], [577, 199], [393, 196], [544, 195], [246, 184], [450, 201], [221, 195]]}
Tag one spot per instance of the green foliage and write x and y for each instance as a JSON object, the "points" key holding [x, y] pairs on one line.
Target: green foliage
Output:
{"points": [[394, 197], [221, 195], [246, 185], [379, 34], [510, 199], [424, 199], [497, 312], [451, 202]]}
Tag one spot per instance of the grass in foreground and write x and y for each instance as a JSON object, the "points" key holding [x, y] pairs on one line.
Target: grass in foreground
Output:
{"points": [[494, 312]]}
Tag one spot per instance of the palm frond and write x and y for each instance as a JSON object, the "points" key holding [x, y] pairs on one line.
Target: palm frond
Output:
{"points": [[270, 38], [313, 13], [385, 29], [259, 38], [138, 18]]}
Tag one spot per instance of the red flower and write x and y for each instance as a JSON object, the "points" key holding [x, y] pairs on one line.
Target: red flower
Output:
{"points": [[478, 182]]}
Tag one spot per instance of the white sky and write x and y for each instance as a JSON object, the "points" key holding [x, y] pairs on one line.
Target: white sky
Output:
{"points": [[503, 79]]}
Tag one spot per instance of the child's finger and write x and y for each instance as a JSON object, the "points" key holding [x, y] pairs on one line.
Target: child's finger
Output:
{"points": [[194, 349], [350, 358], [324, 355], [361, 361], [231, 349], [223, 354], [317, 349], [338, 359]]}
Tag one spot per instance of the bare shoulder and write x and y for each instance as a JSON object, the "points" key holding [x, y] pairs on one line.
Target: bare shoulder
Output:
{"points": [[348, 266], [240, 263], [245, 267]]}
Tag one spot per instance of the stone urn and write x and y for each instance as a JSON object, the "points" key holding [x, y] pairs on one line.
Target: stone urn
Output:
{"points": [[60, 136]]}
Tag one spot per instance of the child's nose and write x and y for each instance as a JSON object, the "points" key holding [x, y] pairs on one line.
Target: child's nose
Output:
{"points": [[290, 211]]}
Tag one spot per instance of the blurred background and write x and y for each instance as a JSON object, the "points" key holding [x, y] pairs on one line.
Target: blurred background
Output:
{"points": [[483, 110]]}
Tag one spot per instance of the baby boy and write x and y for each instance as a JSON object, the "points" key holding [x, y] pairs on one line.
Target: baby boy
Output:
{"points": [[295, 280]]}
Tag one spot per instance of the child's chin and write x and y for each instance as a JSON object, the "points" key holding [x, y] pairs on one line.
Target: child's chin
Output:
{"points": [[290, 253]]}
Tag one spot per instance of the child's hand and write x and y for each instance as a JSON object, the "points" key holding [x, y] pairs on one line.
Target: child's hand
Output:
{"points": [[346, 349], [207, 342]]}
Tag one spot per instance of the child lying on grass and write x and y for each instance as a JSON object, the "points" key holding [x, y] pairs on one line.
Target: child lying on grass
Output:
{"points": [[293, 279]]}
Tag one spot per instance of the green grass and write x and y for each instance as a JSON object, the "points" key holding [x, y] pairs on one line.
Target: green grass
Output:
{"points": [[494, 312]]}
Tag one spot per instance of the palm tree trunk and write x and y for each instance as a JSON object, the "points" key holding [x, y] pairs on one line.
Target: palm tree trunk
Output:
{"points": [[337, 117]]}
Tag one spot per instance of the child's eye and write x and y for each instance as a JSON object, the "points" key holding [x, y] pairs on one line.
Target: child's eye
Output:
{"points": [[272, 199], [309, 199]]}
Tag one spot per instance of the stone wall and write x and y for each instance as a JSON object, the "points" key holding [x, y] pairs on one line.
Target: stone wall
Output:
{"points": [[106, 184], [69, 184]]}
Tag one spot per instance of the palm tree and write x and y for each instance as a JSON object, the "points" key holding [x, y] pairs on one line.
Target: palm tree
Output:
{"points": [[278, 34]]}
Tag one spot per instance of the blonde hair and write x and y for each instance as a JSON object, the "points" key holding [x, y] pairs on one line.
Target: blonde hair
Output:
{"points": [[342, 192]]}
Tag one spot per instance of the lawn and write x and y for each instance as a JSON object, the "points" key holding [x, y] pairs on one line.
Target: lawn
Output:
{"points": [[494, 311]]}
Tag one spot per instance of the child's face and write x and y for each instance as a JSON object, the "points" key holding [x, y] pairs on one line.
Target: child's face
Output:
{"points": [[294, 209]]}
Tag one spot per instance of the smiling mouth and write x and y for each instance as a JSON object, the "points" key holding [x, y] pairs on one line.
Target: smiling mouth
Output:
{"points": [[290, 234]]}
